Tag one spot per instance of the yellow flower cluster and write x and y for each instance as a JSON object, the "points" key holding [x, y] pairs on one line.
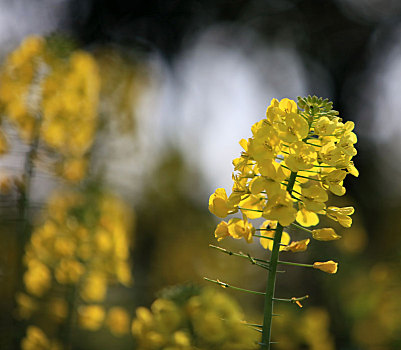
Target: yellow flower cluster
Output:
{"points": [[93, 317], [53, 97], [83, 240], [201, 320], [70, 99], [297, 154], [36, 339], [19, 84]]}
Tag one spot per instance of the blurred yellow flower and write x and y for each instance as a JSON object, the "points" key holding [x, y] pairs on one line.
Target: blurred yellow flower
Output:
{"points": [[26, 305], [202, 319], [37, 278], [118, 321], [94, 287], [58, 309], [91, 317], [35, 339]]}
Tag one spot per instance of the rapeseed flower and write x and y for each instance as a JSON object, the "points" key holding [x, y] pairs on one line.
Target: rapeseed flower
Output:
{"points": [[296, 156], [192, 318], [43, 93], [83, 242], [313, 146]]}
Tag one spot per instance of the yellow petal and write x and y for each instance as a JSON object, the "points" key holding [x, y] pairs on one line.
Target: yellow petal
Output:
{"points": [[325, 234], [328, 266], [297, 246]]}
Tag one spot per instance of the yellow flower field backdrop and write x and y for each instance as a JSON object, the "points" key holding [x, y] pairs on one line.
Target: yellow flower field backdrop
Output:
{"points": [[113, 152]]}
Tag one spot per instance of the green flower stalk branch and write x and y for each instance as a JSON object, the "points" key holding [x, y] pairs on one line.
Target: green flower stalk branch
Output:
{"points": [[271, 281], [297, 155]]}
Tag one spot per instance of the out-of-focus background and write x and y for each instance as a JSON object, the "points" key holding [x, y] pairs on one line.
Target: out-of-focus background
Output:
{"points": [[138, 126]]}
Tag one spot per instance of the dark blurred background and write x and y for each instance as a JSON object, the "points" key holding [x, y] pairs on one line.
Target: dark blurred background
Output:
{"points": [[207, 72]]}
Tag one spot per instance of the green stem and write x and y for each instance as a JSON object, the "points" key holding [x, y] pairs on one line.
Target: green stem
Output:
{"points": [[301, 228], [294, 264], [241, 255], [292, 300], [271, 280], [309, 178], [70, 320], [271, 238], [226, 285], [259, 211], [312, 144]]}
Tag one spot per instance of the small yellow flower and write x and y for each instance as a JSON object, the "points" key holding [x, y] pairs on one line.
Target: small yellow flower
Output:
{"points": [[255, 204], [341, 215], [265, 145], [352, 170], [302, 156], [325, 234], [293, 128], [221, 231], [280, 208], [37, 278], [314, 197], [333, 181], [288, 106], [297, 246], [91, 317], [328, 266], [26, 305], [268, 243], [239, 228], [118, 321], [167, 314], [94, 287], [181, 339], [69, 271], [35, 339], [346, 144], [332, 155], [324, 126], [218, 203], [307, 218], [272, 176]]}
